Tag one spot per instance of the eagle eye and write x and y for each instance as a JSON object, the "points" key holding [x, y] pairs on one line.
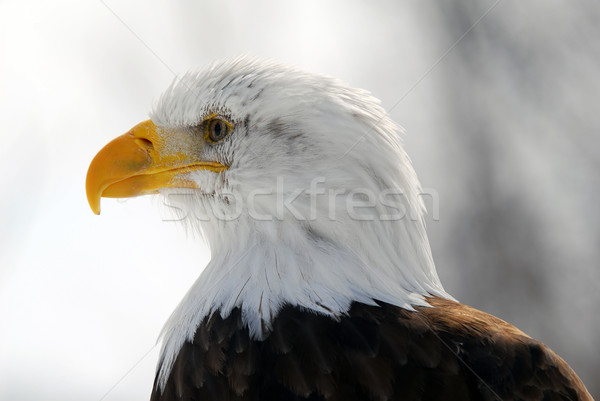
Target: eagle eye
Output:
{"points": [[217, 129]]}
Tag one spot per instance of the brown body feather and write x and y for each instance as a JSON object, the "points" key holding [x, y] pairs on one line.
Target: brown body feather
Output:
{"points": [[447, 352]]}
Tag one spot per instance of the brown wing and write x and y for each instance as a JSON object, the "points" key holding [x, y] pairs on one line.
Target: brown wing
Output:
{"points": [[447, 352], [507, 363]]}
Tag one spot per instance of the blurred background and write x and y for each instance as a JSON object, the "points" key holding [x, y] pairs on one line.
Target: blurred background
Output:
{"points": [[499, 100]]}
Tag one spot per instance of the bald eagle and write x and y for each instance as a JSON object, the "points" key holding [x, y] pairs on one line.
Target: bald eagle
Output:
{"points": [[321, 284]]}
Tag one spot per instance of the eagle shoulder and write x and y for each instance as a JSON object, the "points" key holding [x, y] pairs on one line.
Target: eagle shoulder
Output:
{"points": [[375, 352]]}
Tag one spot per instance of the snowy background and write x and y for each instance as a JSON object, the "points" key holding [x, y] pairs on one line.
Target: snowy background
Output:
{"points": [[499, 99]]}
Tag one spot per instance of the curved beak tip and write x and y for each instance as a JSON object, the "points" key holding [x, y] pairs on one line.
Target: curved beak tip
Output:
{"points": [[120, 158], [95, 208], [93, 197]]}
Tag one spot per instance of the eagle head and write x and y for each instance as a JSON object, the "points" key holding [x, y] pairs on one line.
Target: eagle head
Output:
{"points": [[299, 183]]}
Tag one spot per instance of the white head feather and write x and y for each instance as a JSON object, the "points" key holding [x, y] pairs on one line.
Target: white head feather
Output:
{"points": [[282, 222]]}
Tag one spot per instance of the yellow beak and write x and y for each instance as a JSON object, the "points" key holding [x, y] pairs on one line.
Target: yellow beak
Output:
{"points": [[141, 162]]}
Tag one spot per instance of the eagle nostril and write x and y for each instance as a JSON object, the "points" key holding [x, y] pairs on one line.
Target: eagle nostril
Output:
{"points": [[144, 143]]}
